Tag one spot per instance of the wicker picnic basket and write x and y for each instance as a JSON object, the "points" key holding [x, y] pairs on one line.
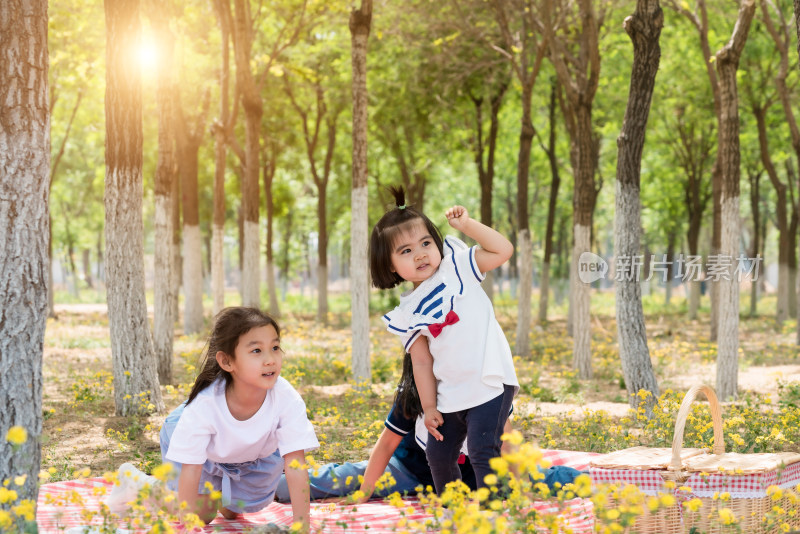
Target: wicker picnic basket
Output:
{"points": [[698, 473]]}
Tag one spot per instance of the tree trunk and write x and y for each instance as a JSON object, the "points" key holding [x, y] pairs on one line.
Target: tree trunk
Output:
{"points": [[270, 163], [253, 111], [700, 22], [579, 77], [220, 152], [322, 253], [25, 223], [321, 179], [794, 218], [484, 181], [86, 262], [51, 308], [136, 388], [51, 294], [555, 183], [693, 239], [192, 279], [728, 340], [692, 151], [360, 23], [101, 270], [716, 240], [486, 170], [524, 249], [797, 150], [190, 138], [782, 309], [285, 260], [644, 29], [529, 47], [670, 268], [755, 248], [177, 260], [163, 318], [580, 302], [583, 207], [781, 35], [792, 278]]}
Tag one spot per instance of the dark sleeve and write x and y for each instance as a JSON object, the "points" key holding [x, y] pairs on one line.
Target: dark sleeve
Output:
{"points": [[398, 423]]}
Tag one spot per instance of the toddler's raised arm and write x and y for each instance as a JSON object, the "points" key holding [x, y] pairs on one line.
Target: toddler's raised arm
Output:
{"points": [[495, 249]]}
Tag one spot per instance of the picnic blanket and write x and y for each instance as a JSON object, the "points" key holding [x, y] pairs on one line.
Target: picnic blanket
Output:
{"points": [[68, 504]]}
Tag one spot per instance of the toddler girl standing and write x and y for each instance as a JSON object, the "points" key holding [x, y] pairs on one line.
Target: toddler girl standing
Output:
{"points": [[462, 362]]}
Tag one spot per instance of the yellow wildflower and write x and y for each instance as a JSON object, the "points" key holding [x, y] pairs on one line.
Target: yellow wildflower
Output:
{"points": [[17, 435], [693, 504], [5, 519], [726, 516], [164, 472]]}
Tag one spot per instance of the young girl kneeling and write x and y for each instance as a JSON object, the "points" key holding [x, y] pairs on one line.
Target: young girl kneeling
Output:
{"points": [[239, 415]]}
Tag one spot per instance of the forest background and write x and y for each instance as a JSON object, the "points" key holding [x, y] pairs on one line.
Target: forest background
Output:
{"points": [[254, 161]]}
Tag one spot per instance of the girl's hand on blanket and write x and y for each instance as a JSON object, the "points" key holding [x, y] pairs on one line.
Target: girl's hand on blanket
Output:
{"points": [[457, 216], [434, 419]]}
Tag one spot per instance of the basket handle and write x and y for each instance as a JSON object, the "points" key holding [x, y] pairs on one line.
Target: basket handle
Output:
{"points": [[680, 423]]}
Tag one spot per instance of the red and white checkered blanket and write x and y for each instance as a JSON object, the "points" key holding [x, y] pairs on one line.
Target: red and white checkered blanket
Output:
{"points": [[752, 486], [63, 505]]}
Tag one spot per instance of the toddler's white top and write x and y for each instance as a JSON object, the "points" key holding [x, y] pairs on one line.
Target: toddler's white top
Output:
{"points": [[471, 358], [208, 431]]}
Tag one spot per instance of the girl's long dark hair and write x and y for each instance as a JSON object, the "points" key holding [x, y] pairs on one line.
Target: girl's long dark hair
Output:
{"points": [[383, 234], [406, 398], [229, 325]]}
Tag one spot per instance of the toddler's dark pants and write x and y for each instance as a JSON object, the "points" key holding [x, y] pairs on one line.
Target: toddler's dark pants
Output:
{"points": [[482, 427]]}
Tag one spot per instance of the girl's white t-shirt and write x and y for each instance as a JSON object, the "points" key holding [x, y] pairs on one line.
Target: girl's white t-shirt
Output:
{"points": [[208, 431], [472, 360]]}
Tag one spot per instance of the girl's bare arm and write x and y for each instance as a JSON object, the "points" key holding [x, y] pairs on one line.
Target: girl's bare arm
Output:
{"points": [[299, 491], [426, 385], [196, 503], [378, 460], [495, 249]]}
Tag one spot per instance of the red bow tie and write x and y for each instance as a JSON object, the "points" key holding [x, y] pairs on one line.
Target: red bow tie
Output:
{"points": [[436, 328]]}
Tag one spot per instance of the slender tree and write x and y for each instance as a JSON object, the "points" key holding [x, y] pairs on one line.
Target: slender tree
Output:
{"points": [[727, 63], [324, 111], [470, 69], [699, 19], [177, 259], [797, 32], [552, 204], [253, 108], [754, 175], [780, 30], [166, 173], [525, 47], [644, 29], [270, 164], [249, 82], [759, 95], [360, 24], [25, 223], [133, 359], [222, 130], [692, 141], [51, 309], [574, 51], [191, 133]]}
